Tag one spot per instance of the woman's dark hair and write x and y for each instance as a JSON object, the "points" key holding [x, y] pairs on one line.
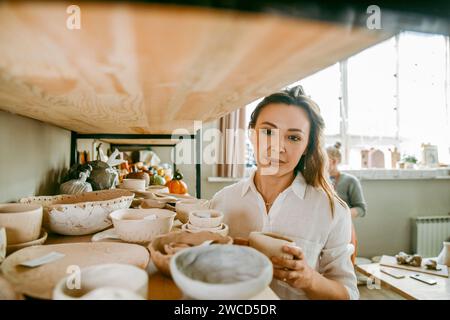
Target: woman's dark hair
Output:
{"points": [[313, 162]]}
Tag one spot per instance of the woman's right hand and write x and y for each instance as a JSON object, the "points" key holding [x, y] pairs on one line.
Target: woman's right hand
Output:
{"points": [[240, 241]]}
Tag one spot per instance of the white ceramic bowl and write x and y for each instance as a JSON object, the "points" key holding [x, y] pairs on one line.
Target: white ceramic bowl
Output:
{"points": [[22, 221], [83, 213], [184, 207], [221, 272], [223, 229], [205, 218], [142, 225], [133, 184], [112, 275]]}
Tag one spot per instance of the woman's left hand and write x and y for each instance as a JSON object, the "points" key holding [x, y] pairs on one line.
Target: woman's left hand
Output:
{"points": [[296, 272]]}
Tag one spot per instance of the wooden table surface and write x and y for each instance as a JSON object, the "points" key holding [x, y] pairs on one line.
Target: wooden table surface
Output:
{"points": [[407, 287], [160, 287]]}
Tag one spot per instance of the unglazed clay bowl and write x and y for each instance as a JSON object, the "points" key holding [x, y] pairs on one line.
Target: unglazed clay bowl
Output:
{"points": [[206, 218], [270, 244], [22, 221], [174, 241], [83, 213], [142, 225], [222, 229], [133, 184], [14, 247], [221, 272], [184, 207], [152, 203], [112, 275]]}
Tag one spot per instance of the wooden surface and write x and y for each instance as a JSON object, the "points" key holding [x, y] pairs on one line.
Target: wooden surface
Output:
{"points": [[160, 287], [147, 68], [39, 282], [390, 261], [407, 287]]}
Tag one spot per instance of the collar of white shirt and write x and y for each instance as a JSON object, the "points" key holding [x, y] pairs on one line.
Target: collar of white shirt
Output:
{"points": [[298, 186]]}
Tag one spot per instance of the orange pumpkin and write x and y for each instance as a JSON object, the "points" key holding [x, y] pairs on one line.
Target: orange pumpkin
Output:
{"points": [[177, 185]]}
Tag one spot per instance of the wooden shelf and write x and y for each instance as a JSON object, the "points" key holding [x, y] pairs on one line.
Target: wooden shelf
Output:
{"points": [[146, 68]]}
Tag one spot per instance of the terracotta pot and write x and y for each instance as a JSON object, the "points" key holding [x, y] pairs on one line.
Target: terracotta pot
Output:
{"points": [[184, 207], [270, 244], [161, 258], [22, 221], [205, 218], [114, 275], [142, 225]]}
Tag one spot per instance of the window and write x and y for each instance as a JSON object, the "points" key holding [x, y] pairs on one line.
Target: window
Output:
{"points": [[394, 94]]}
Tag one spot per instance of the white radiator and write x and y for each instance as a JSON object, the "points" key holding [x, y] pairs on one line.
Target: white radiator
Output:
{"points": [[429, 233]]}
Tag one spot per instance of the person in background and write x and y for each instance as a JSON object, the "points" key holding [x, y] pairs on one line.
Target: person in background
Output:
{"points": [[347, 187]]}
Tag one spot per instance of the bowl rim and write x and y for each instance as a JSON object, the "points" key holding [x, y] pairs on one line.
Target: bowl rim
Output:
{"points": [[121, 212], [32, 208], [206, 285], [218, 212]]}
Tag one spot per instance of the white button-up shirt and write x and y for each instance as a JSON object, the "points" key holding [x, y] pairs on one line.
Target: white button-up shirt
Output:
{"points": [[302, 213]]}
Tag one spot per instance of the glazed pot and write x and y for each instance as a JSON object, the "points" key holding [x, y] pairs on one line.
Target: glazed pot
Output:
{"points": [[22, 221], [142, 225], [104, 276], [270, 244], [205, 218]]}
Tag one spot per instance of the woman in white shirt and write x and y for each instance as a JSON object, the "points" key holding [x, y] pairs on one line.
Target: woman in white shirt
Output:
{"points": [[288, 194]]}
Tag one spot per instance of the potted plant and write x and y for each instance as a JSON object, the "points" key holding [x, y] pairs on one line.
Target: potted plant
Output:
{"points": [[408, 162]]}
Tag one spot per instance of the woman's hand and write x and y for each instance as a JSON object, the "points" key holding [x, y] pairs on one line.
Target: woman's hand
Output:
{"points": [[295, 272]]}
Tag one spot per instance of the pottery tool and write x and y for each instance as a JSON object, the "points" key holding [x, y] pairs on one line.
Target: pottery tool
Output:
{"points": [[390, 261], [39, 261]]}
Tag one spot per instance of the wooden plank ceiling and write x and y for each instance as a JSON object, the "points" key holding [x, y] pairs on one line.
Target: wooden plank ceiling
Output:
{"points": [[141, 68]]}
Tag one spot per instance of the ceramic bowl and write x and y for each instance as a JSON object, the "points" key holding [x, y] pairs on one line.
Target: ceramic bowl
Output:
{"points": [[270, 244], [133, 184], [152, 203], [159, 246], [113, 275], [81, 214], [3, 244], [222, 229], [142, 225], [184, 207], [221, 272], [22, 221], [14, 247], [205, 218]]}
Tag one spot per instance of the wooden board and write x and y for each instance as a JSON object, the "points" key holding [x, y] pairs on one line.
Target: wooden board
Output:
{"points": [[39, 282], [390, 261], [149, 68], [406, 287]]}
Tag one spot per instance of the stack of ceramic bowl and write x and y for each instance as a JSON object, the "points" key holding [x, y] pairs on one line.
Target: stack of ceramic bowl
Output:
{"points": [[185, 206], [206, 220], [21, 225]]}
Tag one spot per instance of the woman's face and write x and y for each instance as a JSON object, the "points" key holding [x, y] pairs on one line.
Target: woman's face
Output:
{"points": [[280, 138]]}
